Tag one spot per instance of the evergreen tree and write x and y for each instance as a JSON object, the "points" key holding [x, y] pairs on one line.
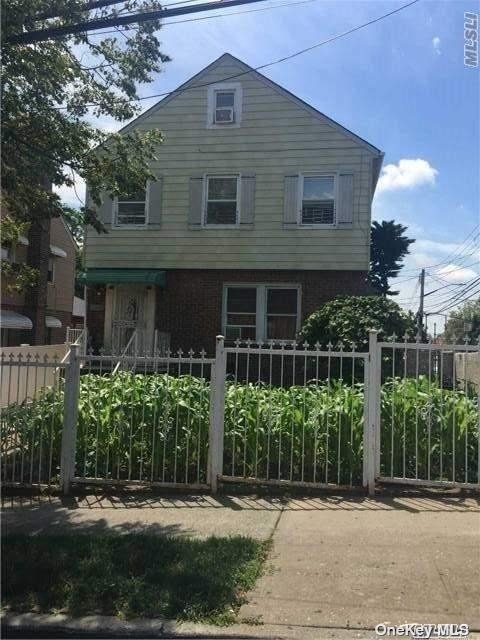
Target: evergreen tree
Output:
{"points": [[388, 247]]}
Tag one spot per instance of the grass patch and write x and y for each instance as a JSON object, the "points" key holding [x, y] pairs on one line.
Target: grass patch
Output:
{"points": [[131, 575]]}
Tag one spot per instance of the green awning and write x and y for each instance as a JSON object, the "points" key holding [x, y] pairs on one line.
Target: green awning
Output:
{"points": [[123, 276]]}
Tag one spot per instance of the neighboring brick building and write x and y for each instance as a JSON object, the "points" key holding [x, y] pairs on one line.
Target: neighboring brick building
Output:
{"points": [[41, 314], [259, 214]]}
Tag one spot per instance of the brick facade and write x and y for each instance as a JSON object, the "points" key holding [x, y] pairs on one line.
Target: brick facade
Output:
{"points": [[58, 336], [44, 298], [190, 306], [36, 300]]}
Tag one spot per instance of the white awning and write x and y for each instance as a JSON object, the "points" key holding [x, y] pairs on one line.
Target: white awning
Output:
{"points": [[13, 320], [56, 251], [23, 240], [52, 323]]}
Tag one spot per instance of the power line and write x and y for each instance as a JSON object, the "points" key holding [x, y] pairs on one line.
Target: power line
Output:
{"points": [[40, 35], [452, 284], [457, 252], [269, 64], [469, 297], [458, 298], [215, 15]]}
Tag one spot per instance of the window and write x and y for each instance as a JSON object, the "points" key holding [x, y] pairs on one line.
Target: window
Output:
{"points": [[51, 270], [241, 320], [131, 211], [318, 200], [261, 312], [221, 200], [224, 107], [282, 314]]}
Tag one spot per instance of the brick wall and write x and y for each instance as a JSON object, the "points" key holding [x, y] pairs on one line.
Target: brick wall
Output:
{"points": [[36, 300], [190, 306], [58, 336]]}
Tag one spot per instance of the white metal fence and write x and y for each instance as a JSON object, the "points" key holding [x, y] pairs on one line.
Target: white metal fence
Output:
{"points": [[294, 415], [281, 414], [77, 337], [31, 418], [143, 420], [428, 414]]}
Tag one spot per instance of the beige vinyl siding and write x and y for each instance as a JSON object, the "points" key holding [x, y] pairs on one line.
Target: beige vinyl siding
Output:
{"points": [[277, 137]]}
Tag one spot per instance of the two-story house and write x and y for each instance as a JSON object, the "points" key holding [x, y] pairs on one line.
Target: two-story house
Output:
{"points": [[41, 314], [260, 213]]}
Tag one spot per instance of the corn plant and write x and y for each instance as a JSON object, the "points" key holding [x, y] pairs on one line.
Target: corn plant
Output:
{"points": [[155, 427]]}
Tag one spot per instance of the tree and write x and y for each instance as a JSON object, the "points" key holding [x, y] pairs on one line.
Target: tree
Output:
{"points": [[348, 319], [388, 247], [50, 93], [463, 322]]}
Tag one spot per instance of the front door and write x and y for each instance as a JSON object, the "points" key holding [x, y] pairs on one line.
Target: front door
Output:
{"points": [[128, 318]]}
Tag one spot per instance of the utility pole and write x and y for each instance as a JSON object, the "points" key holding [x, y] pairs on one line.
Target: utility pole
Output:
{"points": [[420, 308]]}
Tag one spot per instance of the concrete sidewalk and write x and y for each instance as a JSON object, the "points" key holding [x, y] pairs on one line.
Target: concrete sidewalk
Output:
{"points": [[336, 563], [356, 565], [190, 515]]}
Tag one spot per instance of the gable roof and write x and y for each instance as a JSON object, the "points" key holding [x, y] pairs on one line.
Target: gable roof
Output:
{"points": [[247, 70]]}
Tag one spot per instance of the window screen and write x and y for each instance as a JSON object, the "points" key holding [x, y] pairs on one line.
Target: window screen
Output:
{"points": [[318, 202]]}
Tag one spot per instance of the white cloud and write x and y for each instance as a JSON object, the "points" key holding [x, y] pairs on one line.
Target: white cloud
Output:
{"points": [[436, 45], [407, 174], [456, 273]]}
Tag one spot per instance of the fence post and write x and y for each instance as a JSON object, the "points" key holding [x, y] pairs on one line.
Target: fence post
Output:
{"points": [[372, 426], [70, 415], [217, 414]]}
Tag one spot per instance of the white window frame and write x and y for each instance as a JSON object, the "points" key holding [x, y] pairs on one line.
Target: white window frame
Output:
{"points": [[206, 178], [261, 306], [131, 226], [236, 87], [318, 174]]}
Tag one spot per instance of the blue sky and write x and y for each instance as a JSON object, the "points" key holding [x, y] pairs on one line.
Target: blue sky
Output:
{"points": [[400, 83]]}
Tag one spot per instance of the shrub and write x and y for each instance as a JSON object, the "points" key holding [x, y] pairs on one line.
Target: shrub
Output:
{"points": [[348, 319]]}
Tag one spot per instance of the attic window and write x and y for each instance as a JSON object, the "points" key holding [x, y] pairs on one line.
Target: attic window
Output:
{"points": [[224, 105]]}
